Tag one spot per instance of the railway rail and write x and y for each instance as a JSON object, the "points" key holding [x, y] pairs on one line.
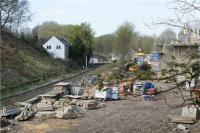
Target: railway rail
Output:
{"points": [[28, 94]]}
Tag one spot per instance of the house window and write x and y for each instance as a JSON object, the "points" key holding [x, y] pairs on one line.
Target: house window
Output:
{"points": [[58, 47], [48, 47]]}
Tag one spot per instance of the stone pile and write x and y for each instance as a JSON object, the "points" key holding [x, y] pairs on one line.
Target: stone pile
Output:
{"points": [[26, 113]]}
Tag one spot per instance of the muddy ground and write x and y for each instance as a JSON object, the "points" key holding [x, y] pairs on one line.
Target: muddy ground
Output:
{"points": [[123, 116]]}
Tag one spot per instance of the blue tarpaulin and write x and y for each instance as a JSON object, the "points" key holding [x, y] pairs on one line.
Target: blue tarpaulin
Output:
{"points": [[155, 57]]}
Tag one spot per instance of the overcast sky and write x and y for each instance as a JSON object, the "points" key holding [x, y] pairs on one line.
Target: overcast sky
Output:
{"points": [[103, 15]]}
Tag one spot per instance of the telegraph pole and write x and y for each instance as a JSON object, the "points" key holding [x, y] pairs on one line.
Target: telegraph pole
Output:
{"points": [[86, 61]]}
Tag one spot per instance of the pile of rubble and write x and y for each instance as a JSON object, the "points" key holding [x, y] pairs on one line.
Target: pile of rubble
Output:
{"points": [[71, 100], [65, 101]]}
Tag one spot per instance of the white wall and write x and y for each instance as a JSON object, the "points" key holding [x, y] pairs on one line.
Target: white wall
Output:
{"points": [[57, 53], [93, 60]]}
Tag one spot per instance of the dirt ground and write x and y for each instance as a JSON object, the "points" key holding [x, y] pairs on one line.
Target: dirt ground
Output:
{"points": [[122, 116]]}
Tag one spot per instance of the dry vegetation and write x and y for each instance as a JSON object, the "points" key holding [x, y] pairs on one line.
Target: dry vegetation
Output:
{"points": [[22, 65]]}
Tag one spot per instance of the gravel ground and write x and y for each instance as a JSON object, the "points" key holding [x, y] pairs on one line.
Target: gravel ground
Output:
{"points": [[122, 116]]}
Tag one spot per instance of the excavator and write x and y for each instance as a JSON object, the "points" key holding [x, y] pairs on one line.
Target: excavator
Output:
{"points": [[138, 62]]}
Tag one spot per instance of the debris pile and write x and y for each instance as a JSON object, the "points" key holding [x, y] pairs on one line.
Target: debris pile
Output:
{"points": [[72, 100], [26, 113], [58, 103]]}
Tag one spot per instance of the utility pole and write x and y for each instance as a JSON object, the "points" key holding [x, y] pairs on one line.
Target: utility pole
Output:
{"points": [[86, 61]]}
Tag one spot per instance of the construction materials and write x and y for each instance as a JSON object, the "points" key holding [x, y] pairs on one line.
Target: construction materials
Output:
{"points": [[62, 87], [45, 105], [90, 105], [61, 103], [25, 114], [104, 93], [115, 93], [66, 112], [149, 88], [90, 91], [44, 108], [137, 88], [182, 119], [50, 95], [33, 100], [152, 91], [148, 85], [76, 91], [73, 96], [115, 96], [190, 111], [46, 114], [122, 88], [10, 110]]}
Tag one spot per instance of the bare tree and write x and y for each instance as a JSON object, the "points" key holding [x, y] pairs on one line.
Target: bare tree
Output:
{"points": [[167, 36], [187, 16], [14, 13], [123, 40]]}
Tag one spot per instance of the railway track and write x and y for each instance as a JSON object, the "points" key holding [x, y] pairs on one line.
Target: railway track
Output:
{"points": [[28, 94]]}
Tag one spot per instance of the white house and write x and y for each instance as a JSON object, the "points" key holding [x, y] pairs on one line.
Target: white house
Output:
{"points": [[58, 47], [114, 57], [93, 60]]}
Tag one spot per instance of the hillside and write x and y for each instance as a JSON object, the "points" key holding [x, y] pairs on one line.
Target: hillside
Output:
{"points": [[23, 64]]}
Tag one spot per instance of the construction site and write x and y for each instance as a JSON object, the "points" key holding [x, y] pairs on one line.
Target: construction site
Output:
{"points": [[107, 98], [96, 66]]}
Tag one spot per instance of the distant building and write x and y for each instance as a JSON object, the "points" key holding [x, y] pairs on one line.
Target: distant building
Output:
{"points": [[186, 44], [178, 50], [114, 57], [98, 58], [59, 47], [188, 35]]}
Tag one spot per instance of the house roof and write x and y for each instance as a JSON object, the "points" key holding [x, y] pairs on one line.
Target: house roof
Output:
{"points": [[64, 41]]}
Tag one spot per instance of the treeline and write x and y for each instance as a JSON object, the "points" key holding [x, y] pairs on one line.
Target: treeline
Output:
{"points": [[107, 43], [81, 36], [122, 42], [84, 42]]}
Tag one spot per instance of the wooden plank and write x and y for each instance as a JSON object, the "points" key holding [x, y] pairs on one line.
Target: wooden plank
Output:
{"points": [[73, 96], [181, 119]]}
